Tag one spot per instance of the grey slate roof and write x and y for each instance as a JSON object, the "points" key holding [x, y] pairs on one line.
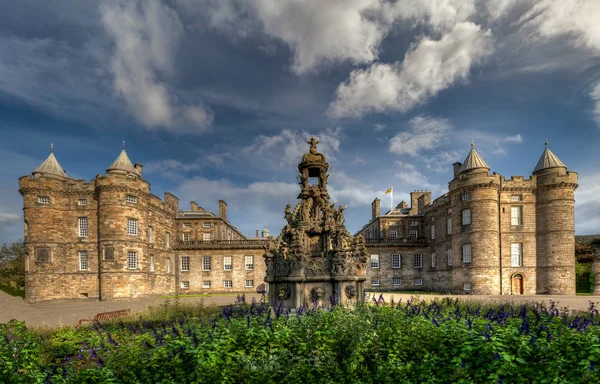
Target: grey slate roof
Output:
{"points": [[122, 163], [50, 166], [473, 161], [548, 160]]}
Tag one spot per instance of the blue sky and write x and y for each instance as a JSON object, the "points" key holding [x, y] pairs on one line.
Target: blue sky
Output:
{"points": [[217, 98]]}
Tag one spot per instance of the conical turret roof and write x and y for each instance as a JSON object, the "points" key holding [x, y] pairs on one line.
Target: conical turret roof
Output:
{"points": [[473, 160], [122, 163], [548, 160], [50, 166]]}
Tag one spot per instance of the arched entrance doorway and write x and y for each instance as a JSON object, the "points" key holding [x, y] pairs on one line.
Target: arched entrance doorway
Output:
{"points": [[518, 284]]}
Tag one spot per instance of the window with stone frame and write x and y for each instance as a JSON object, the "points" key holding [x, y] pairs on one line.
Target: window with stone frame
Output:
{"points": [[81, 202], [207, 224], [131, 199], [249, 283], [83, 260], [396, 281], [206, 237], [151, 264], [393, 235], [43, 200], [249, 263], [186, 236], [467, 253], [467, 286], [449, 256], [83, 226], [449, 226], [418, 281], [168, 265], [465, 197], [375, 282], [206, 263], [185, 263], [433, 261], [109, 253], [42, 255], [516, 215], [515, 198], [150, 235], [227, 263], [418, 260], [516, 254], [466, 216], [432, 231], [228, 283], [185, 284], [167, 240], [413, 234], [132, 227], [206, 284], [396, 260], [374, 261], [132, 260]]}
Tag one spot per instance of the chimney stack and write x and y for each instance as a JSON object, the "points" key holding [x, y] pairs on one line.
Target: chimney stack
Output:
{"points": [[138, 167], [223, 210], [256, 232], [375, 208], [193, 206], [456, 167]]}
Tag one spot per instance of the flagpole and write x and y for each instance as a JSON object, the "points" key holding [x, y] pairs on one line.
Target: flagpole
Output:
{"points": [[392, 199]]}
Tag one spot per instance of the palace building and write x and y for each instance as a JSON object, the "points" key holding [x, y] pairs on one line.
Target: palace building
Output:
{"points": [[487, 235], [111, 238]]}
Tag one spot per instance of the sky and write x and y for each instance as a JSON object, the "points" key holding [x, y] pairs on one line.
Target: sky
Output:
{"points": [[216, 98]]}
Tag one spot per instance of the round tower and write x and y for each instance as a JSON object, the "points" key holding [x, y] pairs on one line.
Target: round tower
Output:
{"points": [[555, 225], [123, 224], [475, 233]]}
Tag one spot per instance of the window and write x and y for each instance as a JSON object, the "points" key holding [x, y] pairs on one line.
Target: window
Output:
{"points": [[432, 231], [249, 263], [466, 217], [515, 198], [467, 253], [206, 236], [109, 253], [131, 199], [465, 197], [185, 285], [167, 240], [42, 255], [374, 261], [418, 260], [228, 283], [413, 223], [449, 255], [187, 225], [132, 260], [396, 281], [516, 254], [83, 226], [432, 259], [375, 282], [206, 263], [82, 202], [132, 227], [185, 263], [83, 260], [467, 286], [418, 281], [206, 284], [396, 261], [151, 264], [412, 234], [449, 226], [150, 235], [227, 263], [393, 235], [43, 200], [207, 225], [449, 211], [168, 266], [186, 236], [249, 283], [515, 216]]}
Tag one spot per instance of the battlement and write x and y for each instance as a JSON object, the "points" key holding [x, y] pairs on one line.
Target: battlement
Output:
{"points": [[518, 182]]}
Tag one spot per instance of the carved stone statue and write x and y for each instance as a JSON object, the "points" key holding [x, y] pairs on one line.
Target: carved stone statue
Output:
{"points": [[340, 215], [288, 213]]}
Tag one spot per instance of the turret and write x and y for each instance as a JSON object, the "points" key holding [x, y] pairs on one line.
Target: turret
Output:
{"points": [[555, 227], [474, 195]]}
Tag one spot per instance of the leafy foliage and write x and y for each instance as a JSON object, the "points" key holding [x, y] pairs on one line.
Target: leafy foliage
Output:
{"points": [[12, 267], [413, 342]]}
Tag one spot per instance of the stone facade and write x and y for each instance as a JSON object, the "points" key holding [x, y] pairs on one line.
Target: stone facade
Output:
{"points": [[487, 235], [111, 239]]}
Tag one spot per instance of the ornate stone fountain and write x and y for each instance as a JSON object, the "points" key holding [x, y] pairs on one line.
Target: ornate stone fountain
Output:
{"points": [[315, 259]]}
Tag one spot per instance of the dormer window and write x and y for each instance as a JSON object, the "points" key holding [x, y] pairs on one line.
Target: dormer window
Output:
{"points": [[131, 199], [43, 200]]}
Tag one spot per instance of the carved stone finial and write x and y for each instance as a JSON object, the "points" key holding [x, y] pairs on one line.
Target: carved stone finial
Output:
{"points": [[51, 147], [123, 145], [313, 144], [472, 143], [546, 143]]}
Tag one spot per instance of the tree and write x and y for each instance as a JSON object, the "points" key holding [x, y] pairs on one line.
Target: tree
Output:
{"points": [[12, 265]]}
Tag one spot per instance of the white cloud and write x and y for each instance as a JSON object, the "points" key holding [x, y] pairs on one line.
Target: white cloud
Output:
{"points": [[410, 175], [8, 218], [428, 68], [441, 161], [424, 133], [517, 139], [287, 147], [596, 97], [146, 35], [587, 205], [379, 127]]}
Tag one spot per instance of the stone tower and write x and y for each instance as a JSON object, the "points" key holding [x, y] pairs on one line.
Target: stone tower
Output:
{"points": [[555, 226], [475, 239], [315, 259]]}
